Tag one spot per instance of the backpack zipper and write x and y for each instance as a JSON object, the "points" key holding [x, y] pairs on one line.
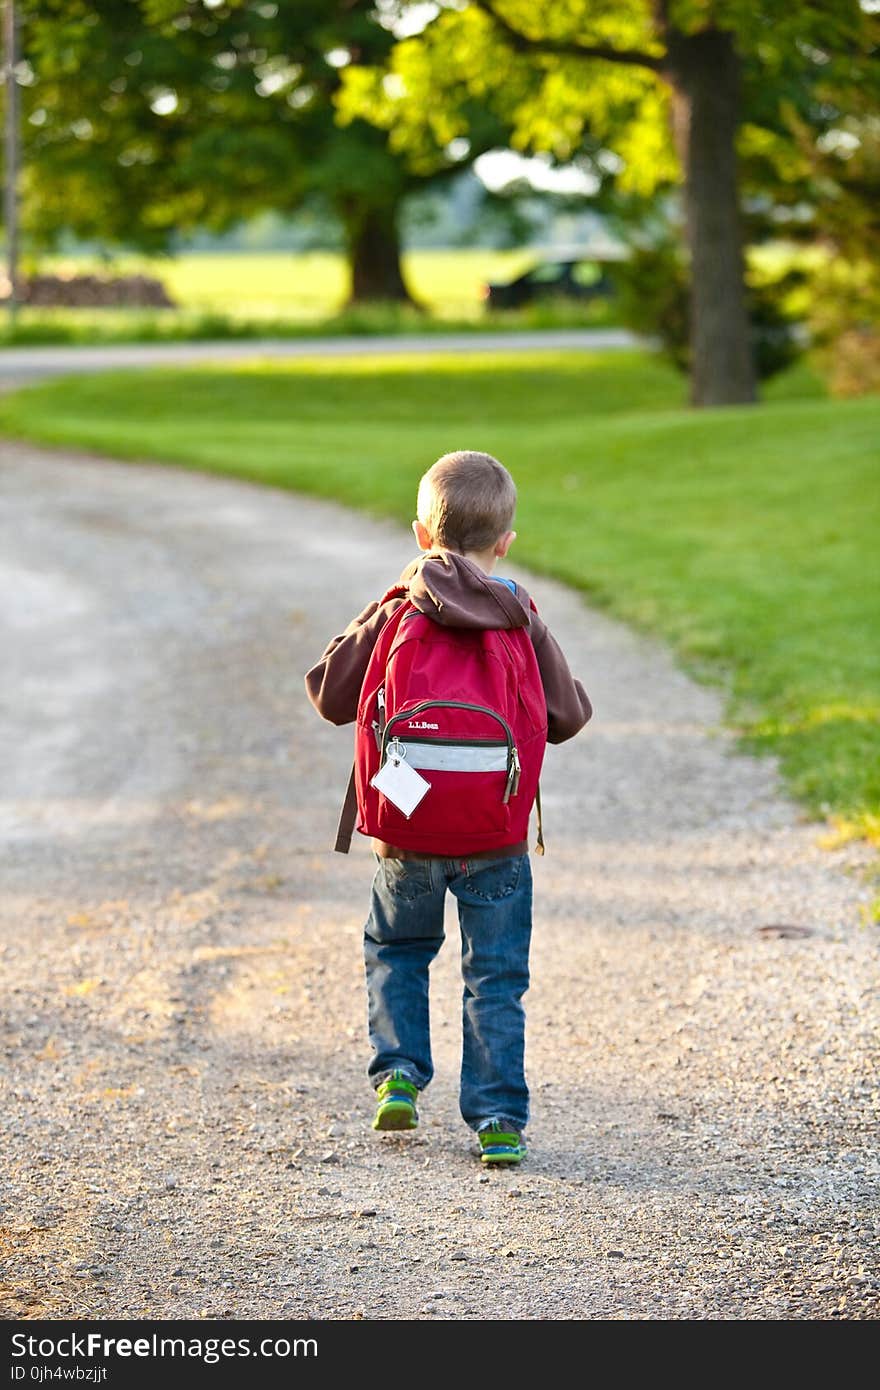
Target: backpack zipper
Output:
{"points": [[458, 742], [379, 724], [512, 786], [513, 764]]}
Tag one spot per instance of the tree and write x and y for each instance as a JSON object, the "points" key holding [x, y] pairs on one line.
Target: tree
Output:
{"points": [[11, 147], [705, 82], [152, 118]]}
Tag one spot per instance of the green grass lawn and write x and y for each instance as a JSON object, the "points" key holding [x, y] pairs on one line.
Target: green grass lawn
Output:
{"points": [[747, 538]]}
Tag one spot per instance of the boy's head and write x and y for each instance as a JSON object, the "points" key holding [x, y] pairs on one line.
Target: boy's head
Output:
{"points": [[466, 503]]}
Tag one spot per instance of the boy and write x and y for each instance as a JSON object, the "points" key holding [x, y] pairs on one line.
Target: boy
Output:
{"points": [[465, 508]]}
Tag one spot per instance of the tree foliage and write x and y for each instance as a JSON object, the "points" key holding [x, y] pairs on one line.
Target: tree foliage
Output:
{"points": [[147, 118], [590, 75], [715, 94]]}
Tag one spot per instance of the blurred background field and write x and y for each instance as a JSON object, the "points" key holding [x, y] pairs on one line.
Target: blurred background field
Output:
{"points": [[313, 284], [252, 294], [310, 285], [241, 294]]}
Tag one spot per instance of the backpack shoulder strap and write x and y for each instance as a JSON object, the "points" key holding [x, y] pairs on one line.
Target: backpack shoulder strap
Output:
{"points": [[347, 817], [348, 814], [398, 590]]}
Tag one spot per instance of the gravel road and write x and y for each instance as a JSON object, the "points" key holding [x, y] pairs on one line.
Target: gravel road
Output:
{"points": [[21, 365], [185, 1114]]}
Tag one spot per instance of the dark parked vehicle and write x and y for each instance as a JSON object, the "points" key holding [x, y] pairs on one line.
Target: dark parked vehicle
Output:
{"points": [[581, 279]]}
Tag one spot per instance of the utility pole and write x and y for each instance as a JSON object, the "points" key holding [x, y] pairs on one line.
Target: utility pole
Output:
{"points": [[10, 191]]}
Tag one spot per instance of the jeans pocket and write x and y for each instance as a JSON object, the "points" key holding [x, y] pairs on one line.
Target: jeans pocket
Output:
{"points": [[406, 879], [497, 879]]}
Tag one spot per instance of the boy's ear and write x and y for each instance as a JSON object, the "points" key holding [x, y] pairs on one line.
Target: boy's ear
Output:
{"points": [[503, 544], [423, 540]]}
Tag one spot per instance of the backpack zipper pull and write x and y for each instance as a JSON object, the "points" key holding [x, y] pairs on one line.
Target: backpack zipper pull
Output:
{"points": [[396, 751], [513, 773]]}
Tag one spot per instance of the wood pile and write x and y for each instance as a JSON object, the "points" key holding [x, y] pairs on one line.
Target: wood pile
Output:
{"points": [[90, 292]]}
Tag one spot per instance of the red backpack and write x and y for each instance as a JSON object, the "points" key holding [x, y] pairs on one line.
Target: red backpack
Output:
{"points": [[465, 709]]}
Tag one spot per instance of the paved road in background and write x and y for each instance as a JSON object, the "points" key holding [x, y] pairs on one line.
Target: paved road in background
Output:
{"points": [[18, 366]]}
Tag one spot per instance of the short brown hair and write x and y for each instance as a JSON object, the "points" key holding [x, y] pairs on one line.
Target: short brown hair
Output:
{"points": [[466, 501]]}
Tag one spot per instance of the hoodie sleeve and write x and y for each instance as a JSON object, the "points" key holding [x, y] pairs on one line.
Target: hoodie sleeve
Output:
{"points": [[334, 684], [568, 707]]}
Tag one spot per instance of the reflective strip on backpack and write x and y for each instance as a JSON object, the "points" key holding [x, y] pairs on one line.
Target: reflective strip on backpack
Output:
{"points": [[456, 757]]}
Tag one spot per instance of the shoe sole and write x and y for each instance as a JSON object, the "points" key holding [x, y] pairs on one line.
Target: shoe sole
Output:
{"points": [[509, 1160], [396, 1117]]}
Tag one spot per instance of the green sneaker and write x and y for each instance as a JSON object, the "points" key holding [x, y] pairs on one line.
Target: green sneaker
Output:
{"points": [[500, 1145], [397, 1103]]}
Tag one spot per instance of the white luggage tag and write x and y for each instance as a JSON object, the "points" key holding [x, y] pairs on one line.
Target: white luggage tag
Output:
{"points": [[398, 782]]}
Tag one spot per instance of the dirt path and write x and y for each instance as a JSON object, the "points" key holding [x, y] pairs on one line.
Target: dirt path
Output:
{"points": [[185, 1112]]}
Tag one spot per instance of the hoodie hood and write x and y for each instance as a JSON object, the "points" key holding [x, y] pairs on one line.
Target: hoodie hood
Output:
{"points": [[455, 592]]}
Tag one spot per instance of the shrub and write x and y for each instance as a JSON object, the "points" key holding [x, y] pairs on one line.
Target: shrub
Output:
{"points": [[845, 323], [654, 300]]}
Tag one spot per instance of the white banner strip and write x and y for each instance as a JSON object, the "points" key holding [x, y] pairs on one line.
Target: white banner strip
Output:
{"points": [[456, 757]]}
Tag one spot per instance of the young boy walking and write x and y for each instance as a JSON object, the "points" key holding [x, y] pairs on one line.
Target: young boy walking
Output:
{"points": [[456, 685]]}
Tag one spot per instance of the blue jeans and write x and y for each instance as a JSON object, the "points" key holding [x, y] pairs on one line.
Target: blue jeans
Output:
{"points": [[403, 934]]}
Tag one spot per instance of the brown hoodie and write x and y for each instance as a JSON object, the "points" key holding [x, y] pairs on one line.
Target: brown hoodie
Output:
{"points": [[454, 592]]}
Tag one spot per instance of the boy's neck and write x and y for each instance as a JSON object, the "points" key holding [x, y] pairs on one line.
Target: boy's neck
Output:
{"points": [[484, 559]]}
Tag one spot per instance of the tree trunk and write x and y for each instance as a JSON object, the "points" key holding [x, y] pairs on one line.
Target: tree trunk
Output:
{"points": [[373, 247], [705, 76]]}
